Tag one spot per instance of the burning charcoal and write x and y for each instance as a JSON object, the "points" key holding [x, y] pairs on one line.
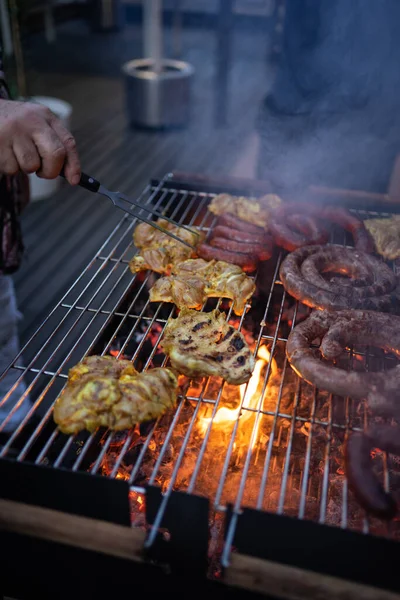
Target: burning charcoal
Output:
{"points": [[141, 479], [264, 439], [289, 312], [169, 455], [132, 454], [394, 462], [312, 508], [306, 428], [118, 439], [186, 412], [320, 435], [335, 504], [265, 277], [145, 428], [152, 445], [115, 350], [189, 387]]}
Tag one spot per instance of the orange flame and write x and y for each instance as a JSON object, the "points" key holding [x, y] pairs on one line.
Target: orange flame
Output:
{"points": [[248, 394]]}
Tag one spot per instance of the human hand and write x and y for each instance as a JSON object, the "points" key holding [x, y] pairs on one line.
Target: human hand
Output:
{"points": [[33, 140]]}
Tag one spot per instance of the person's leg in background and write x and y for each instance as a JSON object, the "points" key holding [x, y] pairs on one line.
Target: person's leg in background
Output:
{"points": [[9, 348]]}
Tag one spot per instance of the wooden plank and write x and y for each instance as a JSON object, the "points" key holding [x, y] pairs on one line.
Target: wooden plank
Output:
{"points": [[290, 583], [72, 530]]}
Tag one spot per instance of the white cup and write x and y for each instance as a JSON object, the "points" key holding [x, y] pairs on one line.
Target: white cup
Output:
{"points": [[43, 188]]}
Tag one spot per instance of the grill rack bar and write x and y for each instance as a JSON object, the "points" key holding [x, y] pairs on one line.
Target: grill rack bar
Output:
{"points": [[19, 380], [90, 439], [92, 436], [182, 201]]}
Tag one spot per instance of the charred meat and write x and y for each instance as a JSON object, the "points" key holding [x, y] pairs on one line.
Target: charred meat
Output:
{"points": [[201, 344]]}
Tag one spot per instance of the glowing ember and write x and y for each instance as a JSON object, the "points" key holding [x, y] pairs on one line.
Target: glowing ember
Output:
{"points": [[138, 509], [116, 354], [154, 335], [249, 394], [137, 499]]}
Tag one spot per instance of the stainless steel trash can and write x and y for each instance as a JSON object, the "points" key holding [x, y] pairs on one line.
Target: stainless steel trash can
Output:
{"points": [[158, 99]]}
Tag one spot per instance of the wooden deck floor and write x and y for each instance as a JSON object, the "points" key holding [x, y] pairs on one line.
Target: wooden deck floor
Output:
{"points": [[62, 233]]}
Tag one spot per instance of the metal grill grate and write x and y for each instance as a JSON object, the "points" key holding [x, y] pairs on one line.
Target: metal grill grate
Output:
{"points": [[278, 448]]}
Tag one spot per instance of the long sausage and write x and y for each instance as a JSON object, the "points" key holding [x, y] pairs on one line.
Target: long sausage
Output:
{"points": [[208, 252], [257, 251], [288, 233], [342, 217], [229, 220], [245, 237], [291, 229]]}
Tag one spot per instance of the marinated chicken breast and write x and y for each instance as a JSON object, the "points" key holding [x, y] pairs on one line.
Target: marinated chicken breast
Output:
{"points": [[386, 235], [179, 290], [157, 250], [105, 392], [248, 209], [193, 281], [200, 344], [100, 365]]}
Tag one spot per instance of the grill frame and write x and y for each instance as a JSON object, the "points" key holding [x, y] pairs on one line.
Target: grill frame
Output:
{"points": [[158, 509]]}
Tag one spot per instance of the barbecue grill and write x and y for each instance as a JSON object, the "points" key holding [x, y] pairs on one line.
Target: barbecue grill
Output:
{"points": [[238, 491]]}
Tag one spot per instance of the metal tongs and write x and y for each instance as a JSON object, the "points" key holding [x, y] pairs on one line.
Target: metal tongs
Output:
{"points": [[127, 205]]}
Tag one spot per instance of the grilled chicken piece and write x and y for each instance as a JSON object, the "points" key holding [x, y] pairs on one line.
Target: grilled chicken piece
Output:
{"points": [[195, 280], [229, 281], [100, 365], [181, 291], [157, 250], [247, 209], [106, 392], [200, 344], [386, 235]]}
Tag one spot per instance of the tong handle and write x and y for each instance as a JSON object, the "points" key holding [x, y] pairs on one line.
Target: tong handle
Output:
{"points": [[87, 181]]}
